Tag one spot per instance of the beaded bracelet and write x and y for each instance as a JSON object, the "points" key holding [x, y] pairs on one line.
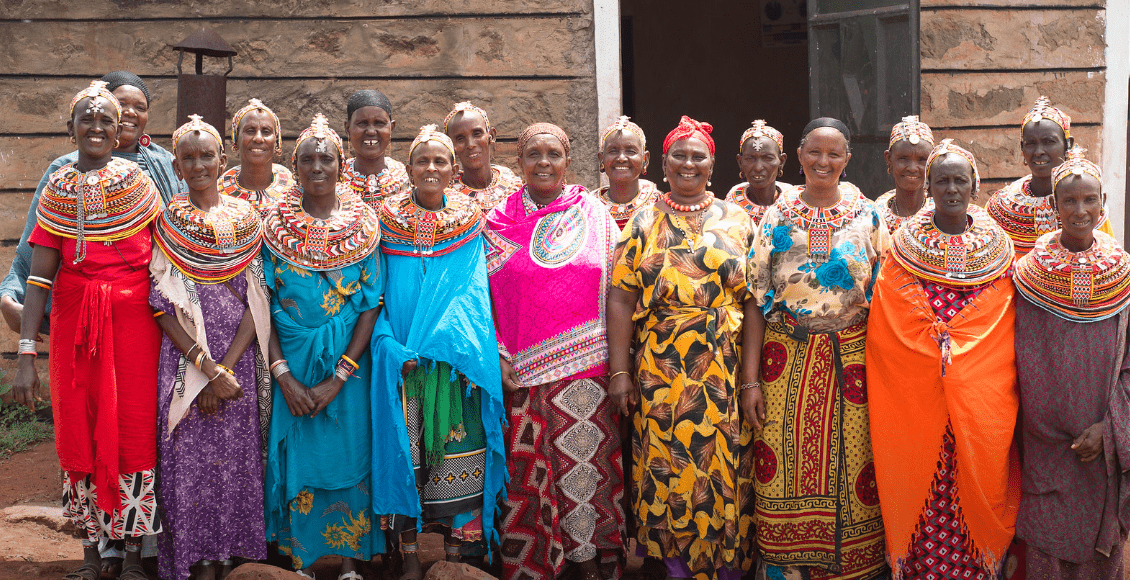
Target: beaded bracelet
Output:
{"points": [[342, 373], [754, 385], [225, 369]]}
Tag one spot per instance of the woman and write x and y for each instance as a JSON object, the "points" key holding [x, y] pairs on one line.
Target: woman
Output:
{"points": [[1074, 288], [911, 143], [811, 270], [943, 411], [623, 158], [470, 130], [436, 331], [210, 449], [680, 271], [761, 160], [326, 284], [257, 135], [549, 261], [1024, 207], [368, 125], [91, 250]]}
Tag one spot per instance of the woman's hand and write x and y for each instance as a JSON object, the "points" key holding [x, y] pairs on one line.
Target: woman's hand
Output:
{"points": [[752, 401], [408, 366], [510, 382], [225, 386], [25, 387], [624, 393], [207, 401], [323, 393], [297, 395], [1089, 446], [12, 312]]}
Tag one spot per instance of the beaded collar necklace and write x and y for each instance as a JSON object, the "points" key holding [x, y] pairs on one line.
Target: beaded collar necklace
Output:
{"points": [[1082, 286], [345, 238], [407, 224], [209, 246], [648, 193], [821, 223]]}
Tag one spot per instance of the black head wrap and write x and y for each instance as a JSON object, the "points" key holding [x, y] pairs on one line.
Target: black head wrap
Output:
{"points": [[122, 77], [367, 98], [826, 122]]}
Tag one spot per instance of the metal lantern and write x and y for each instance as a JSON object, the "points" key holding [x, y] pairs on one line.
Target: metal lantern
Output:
{"points": [[201, 94]]}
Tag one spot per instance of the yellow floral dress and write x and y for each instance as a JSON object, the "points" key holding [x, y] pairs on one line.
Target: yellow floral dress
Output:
{"points": [[691, 453]]}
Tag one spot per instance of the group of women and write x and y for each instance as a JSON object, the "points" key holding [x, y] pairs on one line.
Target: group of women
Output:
{"points": [[337, 356]]}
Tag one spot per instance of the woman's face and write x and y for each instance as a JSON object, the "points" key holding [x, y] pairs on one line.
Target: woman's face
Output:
{"points": [[687, 166], [317, 170], [257, 138], [823, 156], [94, 128], [623, 158], [199, 161], [1079, 201], [431, 168], [370, 132], [760, 167], [1043, 147], [951, 185], [468, 131], [907, 164], [543, 164], [135, 114]]}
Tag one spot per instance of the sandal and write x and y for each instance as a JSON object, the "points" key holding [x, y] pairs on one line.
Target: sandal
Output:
{"points": [[133, 572], [87, 571], [304, 574], [111, 567], [351, 575]]}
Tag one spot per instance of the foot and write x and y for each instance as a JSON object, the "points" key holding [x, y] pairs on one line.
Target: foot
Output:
{"points": [[225, 568], [411, 569], [348, 570], [111, 567], [87, 571], [132, 572], [205, 570]]}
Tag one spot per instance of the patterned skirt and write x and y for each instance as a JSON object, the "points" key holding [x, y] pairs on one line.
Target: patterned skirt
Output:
{"points": [[323, 522], [817, 505], [566, 483], [137, 515]]}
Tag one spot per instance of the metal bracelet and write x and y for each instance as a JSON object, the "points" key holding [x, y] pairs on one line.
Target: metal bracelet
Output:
{"points": [[342, 373], [280, 368], [27, 346], [754, 385]]}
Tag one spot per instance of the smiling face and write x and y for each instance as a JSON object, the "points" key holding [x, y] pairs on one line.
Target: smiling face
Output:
{"points": [[135, 115], [907, 164], [951, 185], [543, 164], [823, 156], [468, 131], [760, 168], [257, 138], [370, 132], [431, 168], [1043, 147], [94, 131], [317, 170], [1079, 201], [199, 161], [624, 157], [687, 166]]}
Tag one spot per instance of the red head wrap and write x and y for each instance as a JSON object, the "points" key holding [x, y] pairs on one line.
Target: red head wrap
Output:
{"points": [[687, 128]]}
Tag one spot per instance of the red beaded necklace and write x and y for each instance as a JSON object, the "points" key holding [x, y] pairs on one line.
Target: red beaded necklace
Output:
{"points": [[685, 208]]}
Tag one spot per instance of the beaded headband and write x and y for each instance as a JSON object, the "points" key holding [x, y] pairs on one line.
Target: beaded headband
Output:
{"points": [[623, 124], [1043, 109], [1076, 164], [97, 89], [196, 123], [431, 133], [911, 130], [688, 127], [463, 108], [320, 129], [543, 129], [758, 130], [255, 105], [946, 147]]}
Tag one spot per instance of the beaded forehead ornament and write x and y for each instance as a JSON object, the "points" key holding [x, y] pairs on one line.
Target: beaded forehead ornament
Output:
{"points": [[97, 89], [1076, 164], [463, 108], [623, 124], [543, 129], [758, 130], [255, 105], [431, 133], [912, 131], [1043, 109], [946, 147], [196, 123], [320, 129]]}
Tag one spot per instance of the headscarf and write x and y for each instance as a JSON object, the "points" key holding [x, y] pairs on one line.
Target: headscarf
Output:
{"points": [[195, 124], [543, 129], [1076, 164], [758, 130], [464, 107], [946, 147], [1043, 109], [121, 78], [367, 98], [320, 129], [255, 105], [687, 128], [912, 131], [431, 133], [97, 89], [826, 122], [622, 124]]}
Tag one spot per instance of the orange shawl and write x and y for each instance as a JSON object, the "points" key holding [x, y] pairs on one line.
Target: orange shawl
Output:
{"points": [[911, 402]]}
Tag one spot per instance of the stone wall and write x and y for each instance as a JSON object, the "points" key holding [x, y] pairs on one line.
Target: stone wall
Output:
{"points": [[984, 67], [522, 60]]}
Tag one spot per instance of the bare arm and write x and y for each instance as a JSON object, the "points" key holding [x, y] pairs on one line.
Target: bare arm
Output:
{"points": [[44, 264], [296, 394], [752, 399], [622, 387]]}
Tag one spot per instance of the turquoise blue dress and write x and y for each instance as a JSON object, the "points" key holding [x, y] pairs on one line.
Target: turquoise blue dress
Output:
{"points": [[318, 485]]}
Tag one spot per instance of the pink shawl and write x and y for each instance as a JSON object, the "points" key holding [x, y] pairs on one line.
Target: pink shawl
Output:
{"points": [[550, 272]]}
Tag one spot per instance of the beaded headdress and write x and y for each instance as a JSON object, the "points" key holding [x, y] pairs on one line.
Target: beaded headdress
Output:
{"points": [[463, 108], [758, 130], [543, 129], [320, 129], [255, 105], [431, 133], [688, 127], [912, 131], [622, 124], [1076, 164], [1043, 109], [946, 147], [97, 89], [196, 123]]}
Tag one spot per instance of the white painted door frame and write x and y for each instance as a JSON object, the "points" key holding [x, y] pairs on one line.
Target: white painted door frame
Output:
{"points": [[606, 30], [1115, 112]]}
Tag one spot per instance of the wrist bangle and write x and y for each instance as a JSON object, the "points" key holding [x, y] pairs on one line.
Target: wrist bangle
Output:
{"points": [[219, 372], [27, 346], [280, 368], [225, 369], [753, 385], [350, 361], [199, 359], [616, 374], [342, 374]]}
